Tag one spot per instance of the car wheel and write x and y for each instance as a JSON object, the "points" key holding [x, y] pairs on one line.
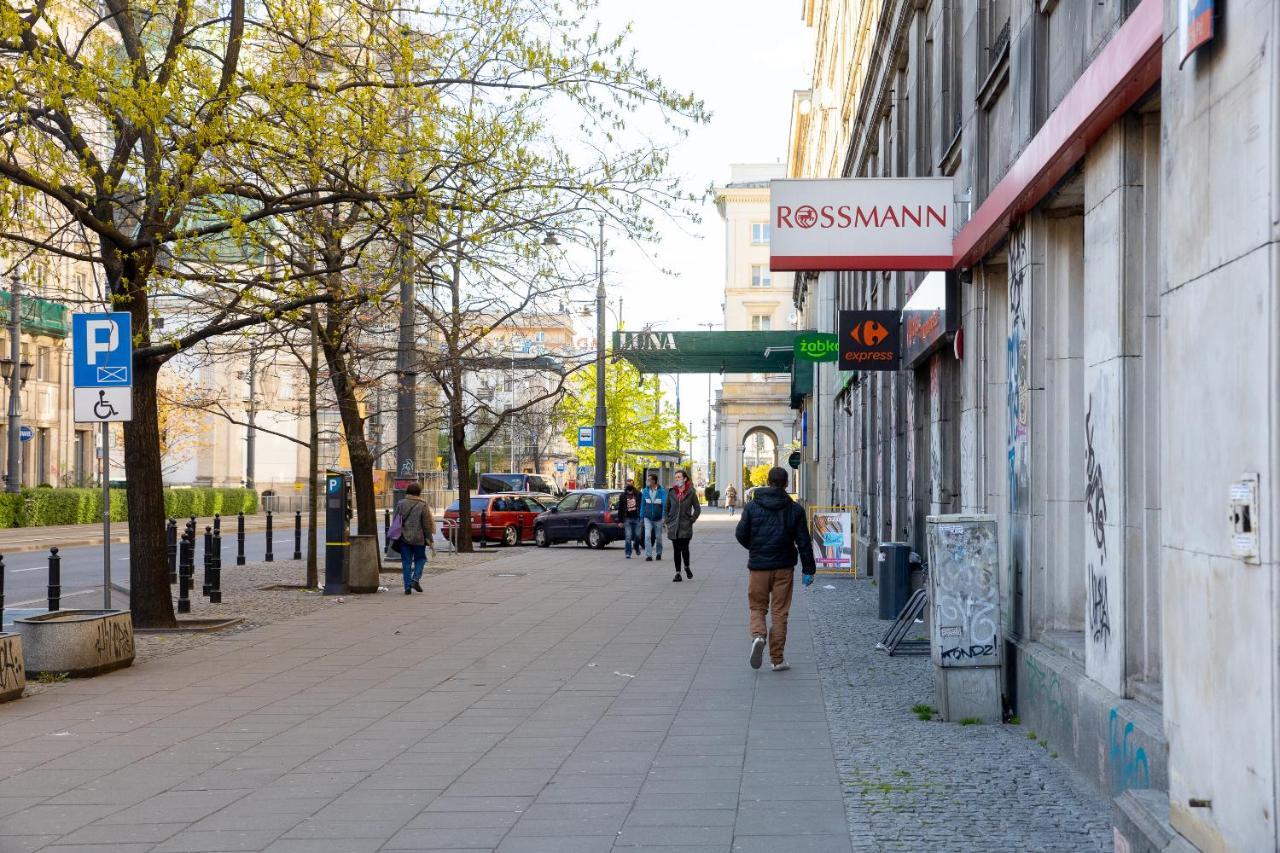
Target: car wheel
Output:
{"points": [[511, 536], [540, 537], [595, 539]]}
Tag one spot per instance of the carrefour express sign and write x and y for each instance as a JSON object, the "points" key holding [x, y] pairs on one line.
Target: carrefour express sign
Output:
{"points": [[862, 224]]}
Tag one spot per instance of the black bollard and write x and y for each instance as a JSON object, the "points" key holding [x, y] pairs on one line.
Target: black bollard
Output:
{"points": [[240, 539], [1, 587], [208, 560], [185, 567], [297, 534], [269, 558], [171, 540], [484, 528], [215, 570], [386, 528], [217, 524], [55, 580]]}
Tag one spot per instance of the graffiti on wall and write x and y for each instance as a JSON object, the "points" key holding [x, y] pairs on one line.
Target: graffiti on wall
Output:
{"points": [[935, 431], [1018, 405], [1128, 761], [1095, 493], [1099, 608], [1043, 685]]}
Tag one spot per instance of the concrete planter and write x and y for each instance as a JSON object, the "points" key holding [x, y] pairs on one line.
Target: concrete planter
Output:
{"points": [[80, 643], [13, 674], [363, 564]]}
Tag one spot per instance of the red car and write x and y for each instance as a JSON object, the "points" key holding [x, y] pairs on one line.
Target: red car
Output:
{"points": [[506, 517]]}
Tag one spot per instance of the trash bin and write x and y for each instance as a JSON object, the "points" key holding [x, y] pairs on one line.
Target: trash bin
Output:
{"points": [[893, 576]]}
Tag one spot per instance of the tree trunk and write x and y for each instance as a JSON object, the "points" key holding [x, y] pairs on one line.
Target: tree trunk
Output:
{"points": [[313, 454], [150, 601], [462, 454], [353, 432]]}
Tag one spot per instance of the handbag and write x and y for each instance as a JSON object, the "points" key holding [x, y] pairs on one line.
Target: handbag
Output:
{"points": [[393, 533]]}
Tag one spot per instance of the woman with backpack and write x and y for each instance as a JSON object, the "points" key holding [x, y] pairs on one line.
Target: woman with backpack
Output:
{"points": [[417, 532], [680, 512]]}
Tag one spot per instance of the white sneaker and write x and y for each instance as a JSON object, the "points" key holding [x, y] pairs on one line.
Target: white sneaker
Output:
{"points": [[781, 667], [757, 651]]}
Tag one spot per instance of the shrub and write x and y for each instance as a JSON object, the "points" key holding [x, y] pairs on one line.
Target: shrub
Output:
{"points": [[41, 507]]}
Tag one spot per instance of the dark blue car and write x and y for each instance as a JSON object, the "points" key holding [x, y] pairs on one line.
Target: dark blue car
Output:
{"points": [[589, 516]]}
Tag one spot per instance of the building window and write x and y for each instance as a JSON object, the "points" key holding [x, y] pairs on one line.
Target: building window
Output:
{"points": [[42, 364], [761, 276], [761, 323], [760, 233]]}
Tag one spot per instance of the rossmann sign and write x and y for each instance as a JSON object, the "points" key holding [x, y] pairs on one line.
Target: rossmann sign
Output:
{"points": [[862, 224]]}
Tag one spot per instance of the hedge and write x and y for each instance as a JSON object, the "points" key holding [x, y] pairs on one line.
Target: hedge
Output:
{"points": [[41, 507]]}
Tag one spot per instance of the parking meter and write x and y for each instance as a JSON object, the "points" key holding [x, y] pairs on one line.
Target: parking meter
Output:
{"points": [[336, 529]]}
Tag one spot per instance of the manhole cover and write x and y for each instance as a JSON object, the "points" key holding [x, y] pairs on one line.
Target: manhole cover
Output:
{"points": [[509, 574]]}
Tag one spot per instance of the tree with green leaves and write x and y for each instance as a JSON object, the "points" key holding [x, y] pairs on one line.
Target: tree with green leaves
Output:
{"points": [[638, 417]]}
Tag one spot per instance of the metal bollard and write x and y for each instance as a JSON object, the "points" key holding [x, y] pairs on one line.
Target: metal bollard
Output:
{"points": [[240, 539], [215, 570], [386, 528], [55, 580], [297, 534], [208, 559], [269, 558], [484, 528], [185, 568], [171, 540], [217, 524], [1, 587]]}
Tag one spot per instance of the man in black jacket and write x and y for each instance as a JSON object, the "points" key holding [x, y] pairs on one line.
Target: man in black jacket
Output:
{"points": [[775, 531]]}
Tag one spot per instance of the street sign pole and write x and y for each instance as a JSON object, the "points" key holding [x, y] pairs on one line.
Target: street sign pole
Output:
{"points": [[106, 515], [102, 370]]}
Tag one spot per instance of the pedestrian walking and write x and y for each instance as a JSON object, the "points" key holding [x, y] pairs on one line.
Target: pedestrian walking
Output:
{"points": [[731, 498], [653, 501], [417, 533], [680, 511], [629, 514], [775, 532]]}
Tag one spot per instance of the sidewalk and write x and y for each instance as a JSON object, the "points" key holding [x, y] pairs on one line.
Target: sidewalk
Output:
{"points": [[551, 700]]}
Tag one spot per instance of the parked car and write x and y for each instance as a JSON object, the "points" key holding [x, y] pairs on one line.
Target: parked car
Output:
{"points": [[589, 516], [507, 518], [494, 483]]}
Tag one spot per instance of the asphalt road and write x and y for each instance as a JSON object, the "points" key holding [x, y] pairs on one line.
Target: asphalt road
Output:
{"points": [[26, 577]]}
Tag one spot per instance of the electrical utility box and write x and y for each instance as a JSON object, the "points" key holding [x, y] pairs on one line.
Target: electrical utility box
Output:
{"points": [[964, 597]]}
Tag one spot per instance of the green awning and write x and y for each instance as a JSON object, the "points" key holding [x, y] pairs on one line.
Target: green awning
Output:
{"points": [[801, 382], [706, 352]]}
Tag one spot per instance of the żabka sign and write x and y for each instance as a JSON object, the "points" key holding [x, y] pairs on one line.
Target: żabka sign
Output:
{"points": [[861, 224]]}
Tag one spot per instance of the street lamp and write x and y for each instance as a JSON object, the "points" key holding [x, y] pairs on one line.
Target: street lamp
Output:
{"points": [[600, 430], [15, 378]]}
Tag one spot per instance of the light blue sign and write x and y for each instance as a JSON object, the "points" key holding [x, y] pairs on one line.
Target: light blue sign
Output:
{"points": [[25, 433], [102, 350], [560, 467], [586, 436]]}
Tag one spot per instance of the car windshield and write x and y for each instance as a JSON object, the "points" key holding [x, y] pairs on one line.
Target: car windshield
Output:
{"points": [[501, 482], [477, 505]]}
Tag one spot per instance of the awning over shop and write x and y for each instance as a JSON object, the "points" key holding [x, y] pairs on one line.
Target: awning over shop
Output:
{"points": [[707, 352]]}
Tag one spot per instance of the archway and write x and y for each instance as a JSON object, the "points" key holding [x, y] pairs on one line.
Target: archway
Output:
{"points": [[759, 447]]}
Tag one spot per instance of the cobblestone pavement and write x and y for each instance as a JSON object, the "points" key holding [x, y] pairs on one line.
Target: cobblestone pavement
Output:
{"points": [[916, 785]]}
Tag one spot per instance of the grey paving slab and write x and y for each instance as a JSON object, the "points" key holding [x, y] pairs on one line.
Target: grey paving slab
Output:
{"points": [[588, 705]]}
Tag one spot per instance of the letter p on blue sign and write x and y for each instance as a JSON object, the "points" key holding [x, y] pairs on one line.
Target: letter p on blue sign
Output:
{"points": [[102, 349]]}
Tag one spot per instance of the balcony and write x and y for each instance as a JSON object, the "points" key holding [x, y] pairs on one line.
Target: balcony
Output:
{"points": [[39, 316]]}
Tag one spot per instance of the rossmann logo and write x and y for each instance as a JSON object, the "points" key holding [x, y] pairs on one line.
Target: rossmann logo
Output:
{"points": [[828, 216]]}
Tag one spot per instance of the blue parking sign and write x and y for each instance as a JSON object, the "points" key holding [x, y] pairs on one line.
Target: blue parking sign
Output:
{"points": [[102, 349]]}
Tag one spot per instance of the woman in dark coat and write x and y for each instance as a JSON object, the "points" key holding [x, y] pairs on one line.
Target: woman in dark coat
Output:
{"points": [[681, 511]]}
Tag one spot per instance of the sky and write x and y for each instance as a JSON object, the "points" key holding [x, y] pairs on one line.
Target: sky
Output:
{"points": [[744, 58]]}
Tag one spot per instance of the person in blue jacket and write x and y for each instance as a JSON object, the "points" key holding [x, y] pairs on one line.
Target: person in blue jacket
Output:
{"points": [[652, 500]]}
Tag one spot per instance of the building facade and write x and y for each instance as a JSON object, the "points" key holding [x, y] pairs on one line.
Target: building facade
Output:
{"points": [[1106, 381], [753, 418]]}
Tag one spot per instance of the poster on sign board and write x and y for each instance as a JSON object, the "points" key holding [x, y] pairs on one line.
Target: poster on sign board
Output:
{"points": [[831, 531]]}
